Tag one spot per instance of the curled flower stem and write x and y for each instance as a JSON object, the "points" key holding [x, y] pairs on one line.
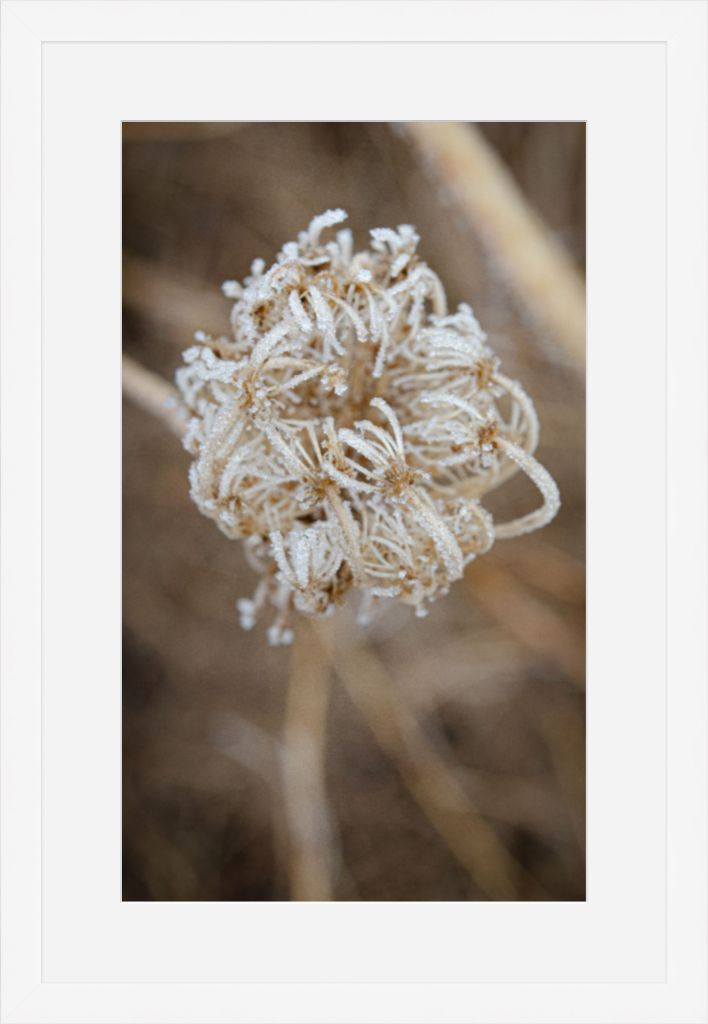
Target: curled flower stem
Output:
{"points": [[344, 519], [545, 484]]}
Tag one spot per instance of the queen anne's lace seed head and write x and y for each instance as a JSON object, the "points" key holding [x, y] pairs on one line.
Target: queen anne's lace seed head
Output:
{"points": [[349, 426]]}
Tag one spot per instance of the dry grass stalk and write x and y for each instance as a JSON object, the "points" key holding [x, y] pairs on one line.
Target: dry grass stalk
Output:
{"points": [[425, 771], [547, 568], [310, 828], [530, 621], [175, 301], [154, 395], [538, 269], [564, 733]]}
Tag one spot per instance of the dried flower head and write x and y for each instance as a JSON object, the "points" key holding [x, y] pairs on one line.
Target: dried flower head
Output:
{"points": [[350, 425]]}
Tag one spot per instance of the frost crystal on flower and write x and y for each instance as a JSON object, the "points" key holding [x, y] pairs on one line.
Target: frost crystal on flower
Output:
{"points": [[349, 426]]}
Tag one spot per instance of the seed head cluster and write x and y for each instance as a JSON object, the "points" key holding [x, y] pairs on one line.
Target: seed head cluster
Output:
{"points": [[349, 426]]}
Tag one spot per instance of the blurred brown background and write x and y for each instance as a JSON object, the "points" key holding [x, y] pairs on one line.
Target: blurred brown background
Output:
{"points": [[487, 692]]}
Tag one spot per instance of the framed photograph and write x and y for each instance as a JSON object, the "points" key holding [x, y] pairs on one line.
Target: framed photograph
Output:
{"points": [[354, 465]]}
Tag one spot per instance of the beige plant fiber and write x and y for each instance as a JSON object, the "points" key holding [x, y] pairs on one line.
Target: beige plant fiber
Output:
{"points": [[349, 426]]}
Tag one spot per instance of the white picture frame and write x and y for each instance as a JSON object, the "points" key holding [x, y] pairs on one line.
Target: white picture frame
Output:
{"points": [[635, 951]]}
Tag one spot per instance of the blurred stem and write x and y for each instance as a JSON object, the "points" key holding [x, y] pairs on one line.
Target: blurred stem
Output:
{"points": [[429, 779], [536, 265], [176, 301], [531, 622], [564, 732], [154, 395], [310, 831]]}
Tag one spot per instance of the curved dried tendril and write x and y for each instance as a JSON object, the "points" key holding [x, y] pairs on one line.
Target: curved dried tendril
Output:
{"points": [[348, 427]]}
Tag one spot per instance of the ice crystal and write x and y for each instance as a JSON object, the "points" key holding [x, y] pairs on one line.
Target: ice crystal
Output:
{"points": [[349, 425]]}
